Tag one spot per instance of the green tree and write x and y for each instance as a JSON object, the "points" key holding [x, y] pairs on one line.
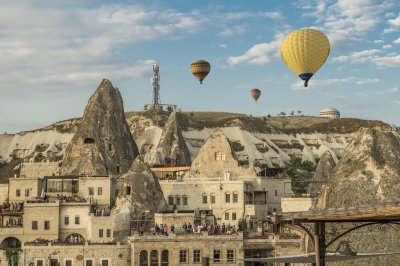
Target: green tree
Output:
{"points": [[300, 173]]}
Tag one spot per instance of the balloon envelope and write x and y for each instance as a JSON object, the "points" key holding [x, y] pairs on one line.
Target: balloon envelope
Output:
{"points": [[304, 51], [255, 93], [200, 69]]}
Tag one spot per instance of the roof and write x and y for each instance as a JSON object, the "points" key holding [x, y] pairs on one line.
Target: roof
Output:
{"points": [[170, 169], [389, 211]]}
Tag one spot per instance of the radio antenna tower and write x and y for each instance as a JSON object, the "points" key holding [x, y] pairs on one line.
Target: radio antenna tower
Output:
{"points": [[155, 81]]}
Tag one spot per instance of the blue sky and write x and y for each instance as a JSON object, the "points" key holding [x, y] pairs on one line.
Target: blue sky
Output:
{"points": [[53, 55]]}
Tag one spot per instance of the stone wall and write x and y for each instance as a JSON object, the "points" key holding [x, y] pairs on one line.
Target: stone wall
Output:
{"points": [[28, 188], [296, 204], [40, 169], [3, 192]]}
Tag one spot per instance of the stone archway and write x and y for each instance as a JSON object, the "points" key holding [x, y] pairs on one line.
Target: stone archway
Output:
{"points": [[75, 238], [10, 242]]}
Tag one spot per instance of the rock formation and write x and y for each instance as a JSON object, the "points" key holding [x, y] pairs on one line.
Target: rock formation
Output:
{"points": [[324, 169], [103, 144], [216, 158], [367, 174], [171, 149], [141, 196]]}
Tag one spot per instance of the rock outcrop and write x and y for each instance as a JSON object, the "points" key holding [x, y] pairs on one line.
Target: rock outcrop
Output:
{"points": [[367, 174], [324, 169], [216, 158], [141, 196], [103, 144], [171, 149]]}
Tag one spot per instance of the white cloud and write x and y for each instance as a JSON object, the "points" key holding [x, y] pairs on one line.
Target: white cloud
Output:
{"points": [[315, 83], [223, 45], [57, 48], [392, 90], [357, 57], [233, 30], [379, 41], [259, 54], [387, 61], [387, 46], [394, 25], [246, 15], [397, 41]]}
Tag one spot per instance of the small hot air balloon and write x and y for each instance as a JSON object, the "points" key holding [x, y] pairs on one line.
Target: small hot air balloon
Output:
{"points": [[200, 69], [304, 51], [255, 93]]}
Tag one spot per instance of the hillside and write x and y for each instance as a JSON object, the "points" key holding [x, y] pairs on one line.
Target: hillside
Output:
{"points": [[261, 141]]}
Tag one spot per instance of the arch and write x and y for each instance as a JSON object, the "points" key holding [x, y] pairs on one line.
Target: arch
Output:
{"points": [[164, 257], [74, 238], [128, 190], [143, 258], [10, 242], [154, 258]]}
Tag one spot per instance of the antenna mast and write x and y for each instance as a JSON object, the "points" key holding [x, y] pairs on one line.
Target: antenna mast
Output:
{"points": [[155, 81]]}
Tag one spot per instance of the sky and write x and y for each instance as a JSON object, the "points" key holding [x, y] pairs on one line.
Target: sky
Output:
{"points": [[54, 54]]}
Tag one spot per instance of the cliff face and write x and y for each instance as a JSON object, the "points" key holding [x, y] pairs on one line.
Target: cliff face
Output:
{"points": [[141, 195], [367, 174], [324, 169], [171, 149], [103, 144]]}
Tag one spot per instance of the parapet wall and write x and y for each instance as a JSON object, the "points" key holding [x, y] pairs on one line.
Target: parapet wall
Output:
{"points": [[40, 169]]}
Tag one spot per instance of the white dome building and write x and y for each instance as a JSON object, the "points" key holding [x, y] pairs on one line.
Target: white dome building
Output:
{"points": [[329, 112]]}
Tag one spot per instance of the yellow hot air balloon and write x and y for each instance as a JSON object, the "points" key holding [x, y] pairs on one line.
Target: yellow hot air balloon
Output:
{"points": [[304, 51], [255, 93], [200, 69]]}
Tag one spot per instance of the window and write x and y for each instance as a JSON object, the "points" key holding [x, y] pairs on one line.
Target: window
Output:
{"points": [[183, 258], [227, 197], [178, 200], [100, 232], [46, 225], [222, 156], [212, 199], [276, 193], [217, 156], [128, 190], [164, 258], [184, 200], [230, 255], [104, 262], [204, 198], [227, 216], [91, 191], [217, 256], [18, 193], [88, 141], [34, 225], [154, 258], [77, 220], [235, 197], [108, 232], [89, 263], [68, 262], [66, 220], [26, 192], [196, 256], [109, 147], [99, 191], [39, 263], [143, 259], [234, 216], [171, 200]]}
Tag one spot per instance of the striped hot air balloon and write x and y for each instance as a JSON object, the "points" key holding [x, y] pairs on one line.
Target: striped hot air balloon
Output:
{"points": [[255, 93], [304, 51], [200, 69]]}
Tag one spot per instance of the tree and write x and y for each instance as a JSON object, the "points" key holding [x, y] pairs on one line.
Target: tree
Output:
{"points": [[170, 108], [299, 112], [300, 173], [292, 113], [282, 113]]}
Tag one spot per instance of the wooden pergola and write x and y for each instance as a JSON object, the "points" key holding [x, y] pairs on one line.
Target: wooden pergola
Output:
{"points": [[312, 223]]}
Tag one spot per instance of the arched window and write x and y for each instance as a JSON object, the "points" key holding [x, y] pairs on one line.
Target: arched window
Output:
{"points": [[143, 258], [164, 257], [154, 258]]}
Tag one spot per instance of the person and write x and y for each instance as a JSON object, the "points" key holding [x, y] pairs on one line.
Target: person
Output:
{"points": [[141, 229], [173, 229], [103, 212], [165, 231]]}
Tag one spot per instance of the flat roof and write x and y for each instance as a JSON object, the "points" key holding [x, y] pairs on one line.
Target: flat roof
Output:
{"points": [[170, 169], [389, 211]]}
